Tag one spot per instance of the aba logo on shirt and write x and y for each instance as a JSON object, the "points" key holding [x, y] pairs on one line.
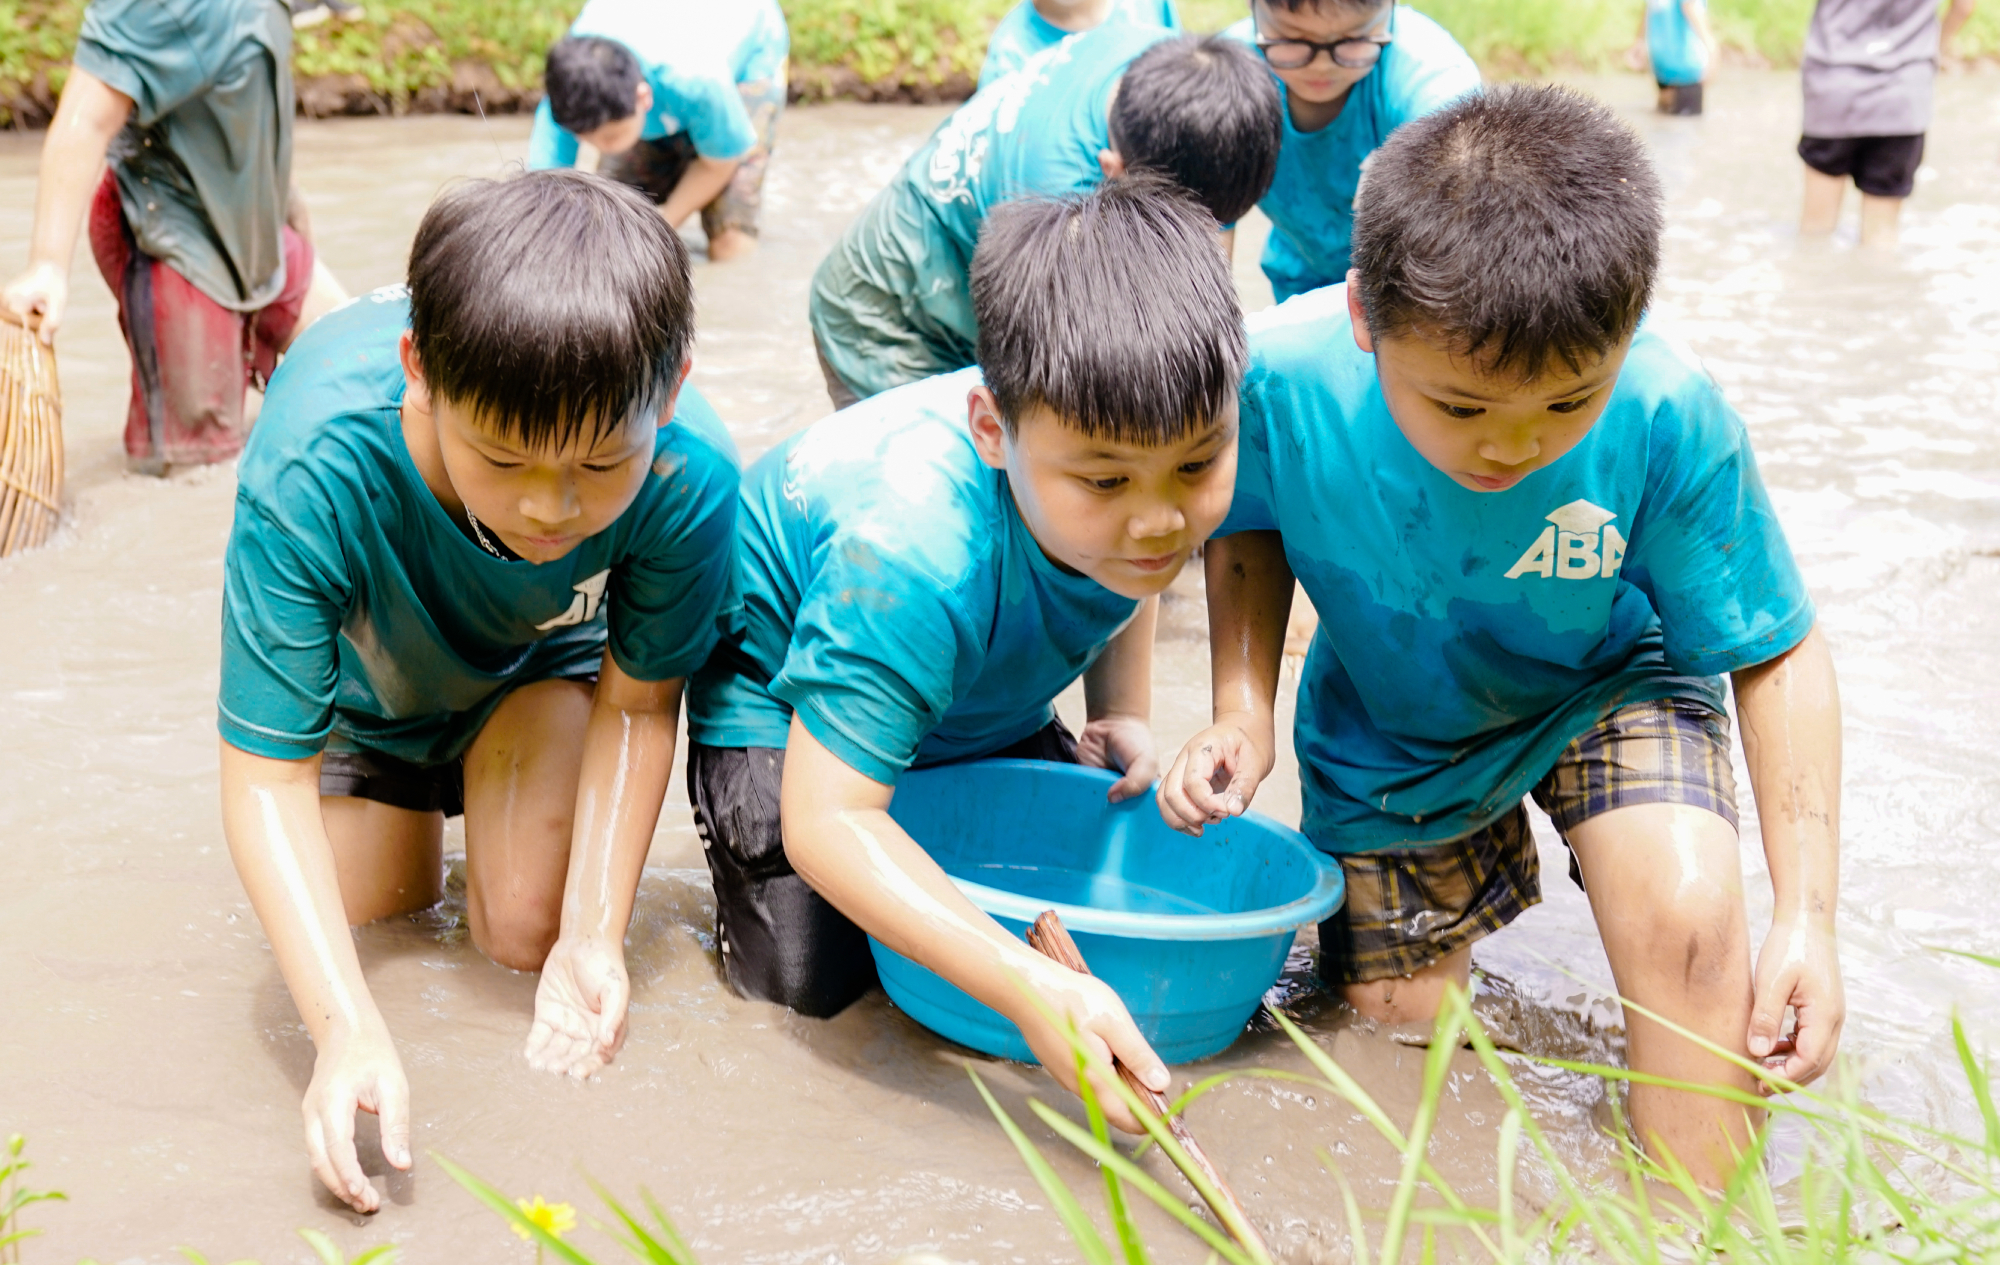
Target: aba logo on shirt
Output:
{"points": [[582, 607], [1582, 545]]}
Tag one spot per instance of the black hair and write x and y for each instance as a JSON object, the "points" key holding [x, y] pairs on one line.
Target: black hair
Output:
{"points": [[590, 81], [1351, 6], [1521, 225], [1206, 113], [1115, 309], [555, 305]]}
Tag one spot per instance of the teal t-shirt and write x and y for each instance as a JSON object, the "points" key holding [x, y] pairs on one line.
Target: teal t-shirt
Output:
{"points": [[892, 303], [1311, 200], [693, 53], [891, 596], [204, 165], [357, 614], [1466, 638], [1025, 32], [1679, 57]]}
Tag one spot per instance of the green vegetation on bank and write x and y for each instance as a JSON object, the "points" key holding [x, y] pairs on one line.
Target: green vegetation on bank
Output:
{"points": [[487, 54]]}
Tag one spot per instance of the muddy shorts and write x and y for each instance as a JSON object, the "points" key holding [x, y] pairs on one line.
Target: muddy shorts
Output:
{"points": [[1409, 907], [1680, 98], [1882, 166], [192, 358], [654, 168], [418, 788], [781, 941]]}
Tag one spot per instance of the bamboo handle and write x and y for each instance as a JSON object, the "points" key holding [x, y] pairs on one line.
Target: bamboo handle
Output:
{"points": [[1051, 939]]}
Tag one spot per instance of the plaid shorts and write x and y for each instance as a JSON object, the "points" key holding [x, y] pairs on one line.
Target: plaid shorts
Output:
{"points": [[1409, 907], [655, 167]]}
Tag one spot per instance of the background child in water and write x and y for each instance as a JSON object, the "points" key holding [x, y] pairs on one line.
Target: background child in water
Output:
{"points": [[1035, 25], [483, 531], [1679, 46]]}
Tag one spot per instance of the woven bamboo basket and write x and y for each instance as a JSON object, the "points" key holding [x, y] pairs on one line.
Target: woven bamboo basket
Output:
{"points": [[31, 445]]}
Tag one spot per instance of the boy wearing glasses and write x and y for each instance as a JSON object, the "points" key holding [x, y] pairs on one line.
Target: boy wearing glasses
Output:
{"points": [[1351, 71]]}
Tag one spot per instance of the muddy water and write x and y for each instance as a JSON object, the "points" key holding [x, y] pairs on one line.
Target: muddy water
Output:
{"points": [[148, 1048]]}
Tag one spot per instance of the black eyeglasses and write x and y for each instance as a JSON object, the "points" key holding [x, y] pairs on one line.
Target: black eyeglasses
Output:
{"points": [[1355, 52]]}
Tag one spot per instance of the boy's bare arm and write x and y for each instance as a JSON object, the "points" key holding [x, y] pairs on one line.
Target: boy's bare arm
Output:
{"points": [[628, 757], [1789, 709], [1118, 701], [1249, 603], [88, 117], [703, 181], [841, 840], [1697, 17], [1955, 19], [271, 815]]}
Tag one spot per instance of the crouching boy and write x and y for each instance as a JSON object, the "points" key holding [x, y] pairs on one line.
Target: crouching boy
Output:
{"points": [[1538, 539], [483, 531], [923, 574]]}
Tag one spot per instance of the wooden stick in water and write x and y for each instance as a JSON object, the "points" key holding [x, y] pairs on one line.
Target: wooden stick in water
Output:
{"points": [[1051, 939]]}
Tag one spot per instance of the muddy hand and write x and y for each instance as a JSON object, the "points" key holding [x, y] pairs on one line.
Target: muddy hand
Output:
{"points": [[1799, 967], [1124, 743], [580, 1008], [1107, 1031], [356, 1073], [1214, 778], [38, 298]]}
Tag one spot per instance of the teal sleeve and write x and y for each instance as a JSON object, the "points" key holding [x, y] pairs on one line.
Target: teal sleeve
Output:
{"points": [[1436, 72], [548, 144], [152, 51], [666, 600], [878, 654], [712, 110], [283, 600]]}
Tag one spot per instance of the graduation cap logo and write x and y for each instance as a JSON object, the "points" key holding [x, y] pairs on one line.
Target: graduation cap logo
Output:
{"points": [[1582, 545]]}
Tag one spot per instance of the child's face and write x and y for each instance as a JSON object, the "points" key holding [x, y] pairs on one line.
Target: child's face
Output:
{"points": [[619, 135], [1321, 81], [1127, 515], [1486, 432]]}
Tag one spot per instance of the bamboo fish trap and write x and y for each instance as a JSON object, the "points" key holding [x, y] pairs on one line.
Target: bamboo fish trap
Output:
{"points": [[31, 446]]}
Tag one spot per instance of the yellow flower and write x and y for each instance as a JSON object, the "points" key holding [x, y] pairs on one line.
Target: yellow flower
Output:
{"points": [[557, 1219]]}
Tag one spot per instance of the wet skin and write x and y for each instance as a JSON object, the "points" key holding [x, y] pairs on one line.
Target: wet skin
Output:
{"points": [[1128, 516]]}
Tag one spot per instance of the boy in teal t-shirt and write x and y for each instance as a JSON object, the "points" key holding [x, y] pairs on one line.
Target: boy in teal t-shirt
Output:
{"points": [[1352, 72], [891, 303], [1537, 538], [681, 100], [922, 574], [1033, 26], [481, 539], [1679, 45]]}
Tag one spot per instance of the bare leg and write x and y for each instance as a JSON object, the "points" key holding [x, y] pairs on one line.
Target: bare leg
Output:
{"points": [[390, 860], [1666, 885], [1880, 221], [1822, 207], [520, 807], [324, 295], [730, 243], [1412, 998]]}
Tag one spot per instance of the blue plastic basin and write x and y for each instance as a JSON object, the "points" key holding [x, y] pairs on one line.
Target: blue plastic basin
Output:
{"points": [[1190, 932]]}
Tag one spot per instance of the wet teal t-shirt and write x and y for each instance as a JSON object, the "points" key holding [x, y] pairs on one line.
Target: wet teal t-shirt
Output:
{"points": [[892, 302], [1025, 32], [204, 166], [892, 596], [1311, 199], [1466, 638], [693, 54], [357, 614]]}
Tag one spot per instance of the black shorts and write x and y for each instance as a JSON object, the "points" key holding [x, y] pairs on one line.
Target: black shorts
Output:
{"points": [[420, 788], [1882, 166], [781, 941], [1680, 98]]}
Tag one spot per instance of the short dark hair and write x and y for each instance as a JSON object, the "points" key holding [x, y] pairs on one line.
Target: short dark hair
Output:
{"points": [[555, 305], [591, 81], [1521, 225], [1114, 308], [1353, 6], [1206, 113]]}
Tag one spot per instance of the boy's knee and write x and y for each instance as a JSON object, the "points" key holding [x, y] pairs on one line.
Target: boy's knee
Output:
{"points": [[516, 933], [1697, 939]]}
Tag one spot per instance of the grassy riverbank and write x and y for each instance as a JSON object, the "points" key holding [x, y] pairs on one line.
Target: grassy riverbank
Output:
{"points": [[487, 54]]}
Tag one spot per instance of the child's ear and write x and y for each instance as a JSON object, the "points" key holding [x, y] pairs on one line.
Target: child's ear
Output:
{"points": [[1111, 162], [642, 98], [989, 433], [1362, 338], [416, 392], [674, 396]]}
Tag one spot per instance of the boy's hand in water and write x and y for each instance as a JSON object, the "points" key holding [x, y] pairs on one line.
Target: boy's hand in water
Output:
{"points": [[580, 1008], [1799, 967], [1107, 1030], [1216, 775], [356, 1072], [1124, 743]]}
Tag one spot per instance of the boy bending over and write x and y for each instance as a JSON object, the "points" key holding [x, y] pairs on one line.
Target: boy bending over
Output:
{"points": [[483, 531], [1538, 538], [1033, 26], [922, 575], [891, 303]]}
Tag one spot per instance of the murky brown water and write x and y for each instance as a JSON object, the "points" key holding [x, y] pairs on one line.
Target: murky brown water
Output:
{"points": [[148, 1048]]}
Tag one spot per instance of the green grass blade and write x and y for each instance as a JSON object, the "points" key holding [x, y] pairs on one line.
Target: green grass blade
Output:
{"points": [[1981, 1082], [323, 1247], [1437, 1063], [672, 1252], [492, 1198], [1088, 1241], [1980, 958], [1114, 1192], [1357, 1229], [383, 1254]]}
